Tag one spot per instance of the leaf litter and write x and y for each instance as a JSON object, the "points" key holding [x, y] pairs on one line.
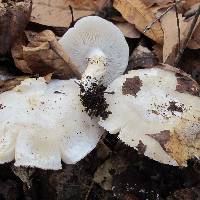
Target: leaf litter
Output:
{"points": [[113, 170]]}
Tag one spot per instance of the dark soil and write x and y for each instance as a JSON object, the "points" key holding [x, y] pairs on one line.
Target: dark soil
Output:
{"points": [[140, 179], [94, 101]]}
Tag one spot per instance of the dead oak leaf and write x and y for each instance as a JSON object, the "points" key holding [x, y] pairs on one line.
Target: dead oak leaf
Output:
{"points": [[137, 13], [57, 13]]}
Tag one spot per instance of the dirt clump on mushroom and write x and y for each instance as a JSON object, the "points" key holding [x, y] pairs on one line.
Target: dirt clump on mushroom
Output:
{"points": [[94, 101]]}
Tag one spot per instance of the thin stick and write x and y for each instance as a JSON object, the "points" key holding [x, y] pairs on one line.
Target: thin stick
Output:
{"points": [[72, 14], [187, 38], [178, 26], [148, 27]]}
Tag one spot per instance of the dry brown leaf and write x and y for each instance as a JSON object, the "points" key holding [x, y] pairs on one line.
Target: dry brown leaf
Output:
{"points": [[57, 13], [43, 55], [189, 3], [128, 30], [137, 13], [150, 3], [169, 25], [14, 16]]}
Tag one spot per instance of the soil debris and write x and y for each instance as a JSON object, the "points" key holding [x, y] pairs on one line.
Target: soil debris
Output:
{"points": [[94, 101]]}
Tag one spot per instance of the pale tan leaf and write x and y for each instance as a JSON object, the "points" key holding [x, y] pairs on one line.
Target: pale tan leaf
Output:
{"points": [[128, 30], [137, 13], [57, 13], [169, 25]]}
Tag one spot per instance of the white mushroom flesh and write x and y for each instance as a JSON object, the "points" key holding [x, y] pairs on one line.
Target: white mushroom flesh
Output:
{"points": [[88, 40], [96, 69], [157, 112], [41, 123]]}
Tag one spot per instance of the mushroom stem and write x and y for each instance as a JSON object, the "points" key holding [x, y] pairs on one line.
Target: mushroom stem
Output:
{"points": [[96, 68]]}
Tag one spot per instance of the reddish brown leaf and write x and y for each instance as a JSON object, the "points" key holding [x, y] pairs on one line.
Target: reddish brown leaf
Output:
{"points": [[42, 55]]}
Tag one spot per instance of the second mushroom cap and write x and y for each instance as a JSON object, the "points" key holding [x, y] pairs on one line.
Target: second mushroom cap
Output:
{"points": [[156, 111]]}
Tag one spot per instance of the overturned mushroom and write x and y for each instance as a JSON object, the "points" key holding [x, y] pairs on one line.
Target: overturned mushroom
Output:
{"points": [[42, 123], [156, 111], [100, 52], [98, 49]]}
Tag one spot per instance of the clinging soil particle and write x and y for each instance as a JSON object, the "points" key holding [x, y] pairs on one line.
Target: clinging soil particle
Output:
{"points": [[94, 101]]}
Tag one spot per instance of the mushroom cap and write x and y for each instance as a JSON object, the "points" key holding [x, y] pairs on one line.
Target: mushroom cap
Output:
{"points": [[42, 123], [94, 33], [157, 112]]}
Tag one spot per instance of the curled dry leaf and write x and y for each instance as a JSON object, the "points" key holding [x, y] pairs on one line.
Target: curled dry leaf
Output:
{"points": [[42, 55], [137, 13], [14, 16], [57, 13]]}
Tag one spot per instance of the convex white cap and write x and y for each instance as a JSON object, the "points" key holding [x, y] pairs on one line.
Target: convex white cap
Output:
{"points": [[96, 40]]}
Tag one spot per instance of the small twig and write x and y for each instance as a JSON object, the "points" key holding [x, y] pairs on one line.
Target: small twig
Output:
{"points": [[72, 14], [178, 26], [148, 27], [187, 38], [62, 54]]}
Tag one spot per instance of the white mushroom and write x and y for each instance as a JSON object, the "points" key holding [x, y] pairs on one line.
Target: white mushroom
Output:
{"points": [[98, 49], [42, 123], [156, 111]]}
